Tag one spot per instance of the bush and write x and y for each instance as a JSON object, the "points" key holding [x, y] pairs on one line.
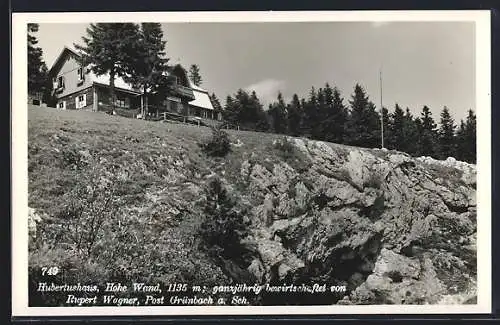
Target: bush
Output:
{"points": [[285, 149], [224, 226], [83, 213], [219, 145], [373, 181]]}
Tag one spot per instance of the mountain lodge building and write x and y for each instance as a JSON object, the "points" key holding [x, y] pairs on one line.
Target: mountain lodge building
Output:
{"points": [[77, 87]]}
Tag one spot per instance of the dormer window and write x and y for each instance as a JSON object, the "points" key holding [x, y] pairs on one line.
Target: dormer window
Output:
{"points": [[81, 75]]}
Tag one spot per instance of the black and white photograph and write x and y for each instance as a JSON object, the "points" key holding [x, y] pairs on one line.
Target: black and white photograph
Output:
{"points": [[278, 163]]}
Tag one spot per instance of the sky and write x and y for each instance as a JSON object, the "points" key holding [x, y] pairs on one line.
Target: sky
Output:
{"points": [[422, 63]]}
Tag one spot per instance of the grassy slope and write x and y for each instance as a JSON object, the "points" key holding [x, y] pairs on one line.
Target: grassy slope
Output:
{"points": [[158, 172]]}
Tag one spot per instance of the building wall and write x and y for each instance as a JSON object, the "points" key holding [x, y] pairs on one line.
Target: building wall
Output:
{"points": [[124, 100], [69, 71], [71, 99]]}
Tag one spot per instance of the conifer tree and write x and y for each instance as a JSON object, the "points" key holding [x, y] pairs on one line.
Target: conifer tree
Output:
{"points": [[246, 111], [396, 138], [194, 74], [231, 110], [294, 116], [215, 104], [333, 122], [311, 113], [461, 147], [411, 131], [257, 115], [363, 126], [446, 135], [277, 114], [38, 78], [149, 69], [110, 48], [428, 134], [386, 120], [469, 139]]}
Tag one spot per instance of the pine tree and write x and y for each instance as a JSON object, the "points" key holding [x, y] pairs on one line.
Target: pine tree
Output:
{"points": [[428, 134], [446, 135], [216, 104], [310, 114], [110, 48], [149, 68], [231, 110], [278, 115], [469, 138], [334, 117], [363, 126], [257, 114], [411, 131], [38, 78], [194, 74], [294, 116], [461, 148], [246, 111], [386, 120], [396, 138]]}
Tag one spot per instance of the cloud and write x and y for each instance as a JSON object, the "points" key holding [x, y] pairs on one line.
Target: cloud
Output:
{"points": [[267, 90]]}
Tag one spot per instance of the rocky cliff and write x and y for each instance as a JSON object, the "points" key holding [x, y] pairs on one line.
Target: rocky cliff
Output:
{"points": [[392, 229]]}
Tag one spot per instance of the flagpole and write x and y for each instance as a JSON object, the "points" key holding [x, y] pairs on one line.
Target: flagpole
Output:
{"points": [[381, 111]]}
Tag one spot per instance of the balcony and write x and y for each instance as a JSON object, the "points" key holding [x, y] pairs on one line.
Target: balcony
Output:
{"points": [[184, 92]]}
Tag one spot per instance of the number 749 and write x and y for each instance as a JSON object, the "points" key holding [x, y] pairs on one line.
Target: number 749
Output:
{"points": [[53, 270]]}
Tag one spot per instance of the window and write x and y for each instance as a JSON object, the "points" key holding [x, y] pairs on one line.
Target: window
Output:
{"points": [[81, 101], [60, 82], [81, 76], [61, 105], [120, 102]]}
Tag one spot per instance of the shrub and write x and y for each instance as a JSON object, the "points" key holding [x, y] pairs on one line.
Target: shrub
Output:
{"points": [[373, 181], [285, 148], [83, 212], [224, 226], [71, 157], [219, 145]]}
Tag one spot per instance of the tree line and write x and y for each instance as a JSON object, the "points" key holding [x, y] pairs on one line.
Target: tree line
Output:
{"points": [[325, 115]]}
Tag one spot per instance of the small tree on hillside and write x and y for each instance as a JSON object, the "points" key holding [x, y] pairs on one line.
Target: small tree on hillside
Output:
{"points": [[110, 48], [194, 74]]}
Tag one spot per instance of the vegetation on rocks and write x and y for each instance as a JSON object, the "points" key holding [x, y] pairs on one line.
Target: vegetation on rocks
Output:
{"points": [[218, 145]]}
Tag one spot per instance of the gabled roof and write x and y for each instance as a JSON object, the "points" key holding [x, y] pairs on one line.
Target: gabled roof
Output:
{"points": [[201, 99], [67, 50], [102, 79]]}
